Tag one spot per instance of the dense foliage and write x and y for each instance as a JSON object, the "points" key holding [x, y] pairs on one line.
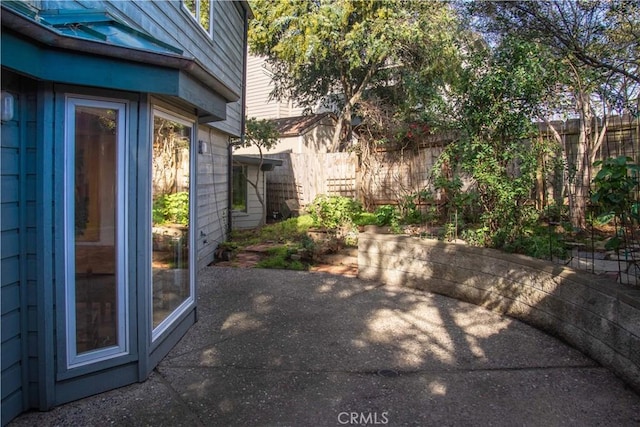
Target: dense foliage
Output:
{"points": [[172, 208], [336, 50], [488, 71], [616, 184]]}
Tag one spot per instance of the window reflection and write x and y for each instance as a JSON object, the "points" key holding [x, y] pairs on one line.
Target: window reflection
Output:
{"points": [[95, 224], [170, 222], [201, 11], [239, 193]]}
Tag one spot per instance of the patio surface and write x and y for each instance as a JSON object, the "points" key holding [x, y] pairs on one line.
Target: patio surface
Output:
{"points": [[283, 348]]}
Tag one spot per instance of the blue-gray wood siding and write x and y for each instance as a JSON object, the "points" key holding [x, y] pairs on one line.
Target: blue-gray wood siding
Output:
{"points": [[169, 21], [18, 242], [212, 194], [11, 280]]}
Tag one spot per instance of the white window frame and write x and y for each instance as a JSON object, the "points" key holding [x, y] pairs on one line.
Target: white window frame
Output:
{"points": [[196, 17], [166, 324], [122, 347]]}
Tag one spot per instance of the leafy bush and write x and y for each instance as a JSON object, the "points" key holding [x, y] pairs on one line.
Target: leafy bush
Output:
{"points": [[387, 215], [280, 258], [366, 218], [333, 212], [476, 237], [410, 212], [171, 208], [287, 231], [615, 185], [537, 243]]}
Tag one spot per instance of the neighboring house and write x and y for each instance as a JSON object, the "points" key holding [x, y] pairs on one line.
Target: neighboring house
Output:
{"points": [[248, 212], [309, 134], [259, 87], [116, 122]]}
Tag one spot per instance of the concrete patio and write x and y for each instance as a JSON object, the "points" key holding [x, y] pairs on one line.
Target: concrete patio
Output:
{"points": [[284, 348]]}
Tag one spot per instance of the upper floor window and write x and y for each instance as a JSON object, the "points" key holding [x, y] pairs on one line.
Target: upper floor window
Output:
{"points": [[201, 11]]}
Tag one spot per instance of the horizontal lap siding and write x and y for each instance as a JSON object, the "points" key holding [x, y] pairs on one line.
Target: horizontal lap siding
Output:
{"points": [[258, 90], [259, 87], [221, 55], [18, 243], [253, 216], [172, 23], [212, 201], [228, 40], [10, 277], [30, 274]]}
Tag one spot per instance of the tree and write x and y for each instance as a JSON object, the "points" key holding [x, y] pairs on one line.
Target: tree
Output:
{"points": [[497, 98], [347, 47], [263, 135], [597, 45]]}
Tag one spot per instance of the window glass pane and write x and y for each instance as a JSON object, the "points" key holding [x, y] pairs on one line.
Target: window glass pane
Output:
{"points": [[205, 9], [191, 6], [240, 188], [171, 184], [95, 204], [201, 11]]}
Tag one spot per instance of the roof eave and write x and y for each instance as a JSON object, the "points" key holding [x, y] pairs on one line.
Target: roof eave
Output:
{"points": [[46, 35]]}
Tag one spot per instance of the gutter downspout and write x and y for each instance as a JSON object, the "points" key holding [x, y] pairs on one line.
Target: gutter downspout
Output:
{"points": [[245, 43]]}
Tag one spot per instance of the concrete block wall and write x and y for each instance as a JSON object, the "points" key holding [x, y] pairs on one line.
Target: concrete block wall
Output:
{"points": [[594, 314]]}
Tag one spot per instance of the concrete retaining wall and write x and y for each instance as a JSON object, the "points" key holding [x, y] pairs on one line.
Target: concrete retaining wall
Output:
{"points": [[594, 314]]}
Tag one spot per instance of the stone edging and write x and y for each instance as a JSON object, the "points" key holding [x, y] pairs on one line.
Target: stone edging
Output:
{"points": [[594, 314]]}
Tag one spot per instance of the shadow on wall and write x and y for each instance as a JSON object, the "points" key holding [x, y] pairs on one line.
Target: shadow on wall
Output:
{"points": [[592, 313]]}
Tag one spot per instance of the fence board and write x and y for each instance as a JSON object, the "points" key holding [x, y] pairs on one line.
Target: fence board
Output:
{"points": [[393, 174]]}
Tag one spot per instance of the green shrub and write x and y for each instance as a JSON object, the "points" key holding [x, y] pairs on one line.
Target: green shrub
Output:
{"points": [[366, 218], [287, 231], [538, 243], [476, 237], [280, 258], [171, 209], [387, 215], [333, 212], [616, 186]]}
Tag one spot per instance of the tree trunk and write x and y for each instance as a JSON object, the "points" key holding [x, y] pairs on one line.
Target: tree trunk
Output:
{"points": [[579, 169], [255, 186], [352, 97], [589, 142], [579, 160]]}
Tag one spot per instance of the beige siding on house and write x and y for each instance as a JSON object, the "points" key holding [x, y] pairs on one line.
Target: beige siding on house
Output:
{"points": [[259, 87], [255, 213], [212, 195], [317, 139]]}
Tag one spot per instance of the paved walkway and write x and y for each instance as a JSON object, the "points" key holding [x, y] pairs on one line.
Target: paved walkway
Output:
{"points": [[285, 348]]}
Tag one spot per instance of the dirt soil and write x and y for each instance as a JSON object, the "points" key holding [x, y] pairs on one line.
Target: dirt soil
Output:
{"points": [[343, 262]]}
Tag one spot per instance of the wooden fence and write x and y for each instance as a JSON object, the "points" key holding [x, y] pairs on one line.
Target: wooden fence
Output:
{"points": [[390, 174], [304, 176]]}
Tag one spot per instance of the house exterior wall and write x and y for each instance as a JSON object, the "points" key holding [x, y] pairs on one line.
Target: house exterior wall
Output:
{"points": [[316, 139], [172, 23], [18, 174], [259, 87], [254, 214], [212, 194], [33, 229]]}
